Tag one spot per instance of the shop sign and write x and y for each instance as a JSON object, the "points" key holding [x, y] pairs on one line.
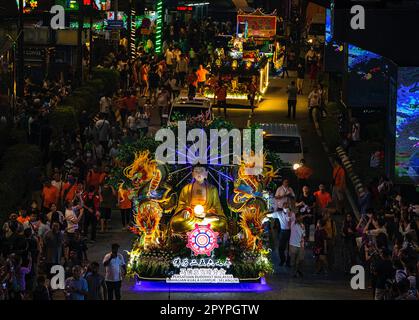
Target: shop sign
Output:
{"points": [[115, 24], [202, 275], [184, 8], [34, 54], [259, 26]]}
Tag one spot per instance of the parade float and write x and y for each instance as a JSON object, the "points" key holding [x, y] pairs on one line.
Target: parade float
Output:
{"points": [[199, 227], [247, 57]]}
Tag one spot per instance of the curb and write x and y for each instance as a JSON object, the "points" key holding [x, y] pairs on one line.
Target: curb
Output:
{"points": [[348, 168]]}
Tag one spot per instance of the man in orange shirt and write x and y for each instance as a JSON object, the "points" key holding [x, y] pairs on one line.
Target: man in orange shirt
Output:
{"points": [[323, 198], [49, 196], [201, 73], [23, 216], [303, 173], [69, 190], [125, 205], [339, 185], [95, 177]]}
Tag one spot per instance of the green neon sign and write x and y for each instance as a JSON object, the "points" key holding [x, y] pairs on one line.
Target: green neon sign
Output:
{"points": [[159, 26]]}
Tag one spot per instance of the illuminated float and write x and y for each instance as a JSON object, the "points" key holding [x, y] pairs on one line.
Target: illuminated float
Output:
{"points": [[205, 234], [246, 58]]}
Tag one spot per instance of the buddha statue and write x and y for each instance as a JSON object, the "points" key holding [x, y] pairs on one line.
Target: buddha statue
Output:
{"points": [[200, 204]]}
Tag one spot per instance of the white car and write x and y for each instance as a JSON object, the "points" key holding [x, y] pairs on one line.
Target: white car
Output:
{"points": [[285, 140], [190, 108]]}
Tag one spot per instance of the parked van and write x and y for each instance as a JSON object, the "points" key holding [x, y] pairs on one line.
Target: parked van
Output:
{"points": [[285, 140]]}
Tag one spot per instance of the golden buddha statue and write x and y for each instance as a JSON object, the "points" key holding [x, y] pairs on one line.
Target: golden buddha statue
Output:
{"points": [[200, 204]]}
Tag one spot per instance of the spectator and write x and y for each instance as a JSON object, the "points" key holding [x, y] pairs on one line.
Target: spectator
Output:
{"points": [[58, 183], [349, 242], [95, 177], [50, 195], [201, 74], [182, 69], [18, 276], [252, 91], [292, 99], [72, 221], [163, 103], [69, 190], [96, 283], [323, 199], [107, 196], [286, 217], [364, 200], [192, 82], [105, 103], [320, 247], [91, 202], [41, 292], [284, 194], [53, 246], [339, 186], [383, 271], [115, 269], [76, 286], [330, 228], [103, 128], [300, 78], [125, 206], [303, 173], [78, 246], [55, 216], [296, 245], [306, 205], [314, 103], [221, 97]]}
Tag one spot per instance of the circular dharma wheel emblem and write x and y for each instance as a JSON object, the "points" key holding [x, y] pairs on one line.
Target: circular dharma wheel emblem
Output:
{"points": [[202, 240]]}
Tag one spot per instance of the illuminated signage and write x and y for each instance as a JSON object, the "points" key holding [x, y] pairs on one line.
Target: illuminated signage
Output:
{"points": [[28, 5], [203, 262], [159, 27], [407, 126], [202, 275], [184, 8], [258, 26], [202, 241]]}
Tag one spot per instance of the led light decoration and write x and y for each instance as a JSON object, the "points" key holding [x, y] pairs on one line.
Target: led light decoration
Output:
{"points": [[234, 64], [132, 35], [202, 240], [198, 210], [159, 27]]}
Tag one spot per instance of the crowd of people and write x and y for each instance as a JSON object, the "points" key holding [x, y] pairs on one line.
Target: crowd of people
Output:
{"points": [[71, 196], [383, 238]]}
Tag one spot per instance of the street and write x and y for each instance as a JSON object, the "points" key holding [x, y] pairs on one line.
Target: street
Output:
{"points": [[336, 285]]}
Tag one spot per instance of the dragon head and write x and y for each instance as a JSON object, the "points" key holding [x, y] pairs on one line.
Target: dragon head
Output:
{"points": [[147, 218], [142, 168]]}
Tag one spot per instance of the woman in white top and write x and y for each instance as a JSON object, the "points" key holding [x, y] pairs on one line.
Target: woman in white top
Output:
{"points": [[72, 221]]}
